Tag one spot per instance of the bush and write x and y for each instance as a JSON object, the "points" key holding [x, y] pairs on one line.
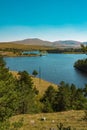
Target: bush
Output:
{"points": [[85, 116], [6, 125], [61, 127]]}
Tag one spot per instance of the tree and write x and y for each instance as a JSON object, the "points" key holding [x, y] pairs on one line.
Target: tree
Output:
{"points": [[82, 64], [17, 95], [8, 92], [48, 99], [2, 62], [27, 94], [24, 87], [84, 48], [73, 96], [85, 90], [85, 116], [69, 97], [63, 97], [35, 73], [6, 101], [81, 101]]}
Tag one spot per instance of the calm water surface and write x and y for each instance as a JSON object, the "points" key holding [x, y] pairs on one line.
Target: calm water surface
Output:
{"points": [[52, 67]]}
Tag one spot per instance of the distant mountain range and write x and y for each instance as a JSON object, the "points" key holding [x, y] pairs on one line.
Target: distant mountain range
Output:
{"points": [[56, 44]]}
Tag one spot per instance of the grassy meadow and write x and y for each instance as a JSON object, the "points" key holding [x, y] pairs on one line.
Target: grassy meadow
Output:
{"points": [[23, 46], [68, 118]]}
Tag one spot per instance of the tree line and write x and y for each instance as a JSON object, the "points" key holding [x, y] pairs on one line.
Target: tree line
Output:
{"points": [[81, 64], [66, 97], [17, 95]]}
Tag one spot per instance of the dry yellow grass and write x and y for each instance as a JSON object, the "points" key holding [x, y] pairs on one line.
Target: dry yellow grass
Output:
{"points": [[40, 84], [14, 73], [68, 118], [24, 47]]}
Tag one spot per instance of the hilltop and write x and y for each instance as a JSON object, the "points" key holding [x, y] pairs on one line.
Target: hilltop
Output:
{"points": [[60, 44], [55, 44], [16, 48]]}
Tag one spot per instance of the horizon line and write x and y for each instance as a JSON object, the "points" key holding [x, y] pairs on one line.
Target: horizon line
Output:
{"points": [[18, 40]]}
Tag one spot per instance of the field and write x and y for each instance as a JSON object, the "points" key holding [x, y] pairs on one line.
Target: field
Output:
{"points": [[68, 118], [23, 47], [14, 49]]}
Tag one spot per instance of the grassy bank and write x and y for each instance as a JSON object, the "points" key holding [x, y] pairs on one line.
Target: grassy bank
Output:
{"points": [[68, 118], [40, 84]]}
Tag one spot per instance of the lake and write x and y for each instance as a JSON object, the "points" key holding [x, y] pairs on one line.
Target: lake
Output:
{"points": [[52, 67]]}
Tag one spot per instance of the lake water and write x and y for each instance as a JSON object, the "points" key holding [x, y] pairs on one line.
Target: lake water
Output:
{"points": [[52, 67]]}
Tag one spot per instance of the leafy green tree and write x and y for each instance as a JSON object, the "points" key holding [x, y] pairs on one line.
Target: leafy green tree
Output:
{"points": [[47, 107], [4, 72], [48, 99], [17, 95], [81, 101], [82, 63], [85, 90], [2, 62], [8, 92], [35, 73], [24, 87], [63, 97], [73, 96], [8, 100], [27, 92], [69, 97], [84, 48]]}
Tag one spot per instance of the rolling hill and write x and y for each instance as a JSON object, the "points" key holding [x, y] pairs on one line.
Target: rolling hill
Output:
{"points": [[63, 44], [35, 41], [55, 44]]}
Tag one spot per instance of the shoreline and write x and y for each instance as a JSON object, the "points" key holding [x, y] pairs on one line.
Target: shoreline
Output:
{"points": [[40, 84]]}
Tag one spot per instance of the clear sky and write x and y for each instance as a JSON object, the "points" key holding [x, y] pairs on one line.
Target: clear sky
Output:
{"points": [[45, 19]]}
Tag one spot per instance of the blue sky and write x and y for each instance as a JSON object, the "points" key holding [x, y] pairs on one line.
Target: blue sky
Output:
{"points": [[45, 19]]}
